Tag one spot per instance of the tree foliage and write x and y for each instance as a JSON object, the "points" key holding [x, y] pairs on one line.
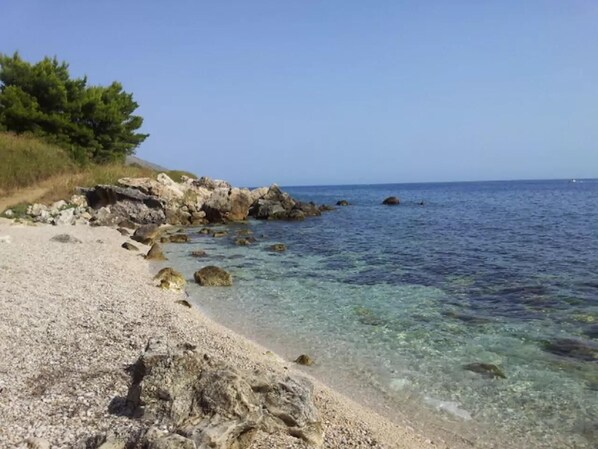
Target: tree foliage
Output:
{"points": [[95, 123]]}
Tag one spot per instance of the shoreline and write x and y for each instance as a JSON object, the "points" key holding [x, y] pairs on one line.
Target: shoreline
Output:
{"points": [[80, 312]]}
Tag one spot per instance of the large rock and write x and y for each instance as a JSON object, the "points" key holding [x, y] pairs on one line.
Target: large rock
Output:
{"points": [[147, 234], [206, 404], [155, 253], [212, 276], [391, 201], [170, 279], [227, 205], [126, 203], [162, 187]]}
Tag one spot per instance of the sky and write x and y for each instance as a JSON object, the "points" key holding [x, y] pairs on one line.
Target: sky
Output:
{"points": [[303, 92]]}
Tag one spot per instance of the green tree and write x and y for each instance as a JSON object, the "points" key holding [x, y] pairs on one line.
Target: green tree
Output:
{"points": [[94, 122]]}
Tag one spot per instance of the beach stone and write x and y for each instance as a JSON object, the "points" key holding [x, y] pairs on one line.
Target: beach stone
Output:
{"points": [[219, 234], [304, 359], [65, 238], [342, 203], [147, 234], [8, 213], [213, 277], [391, 201], [278, 247], [204, 231], [37, 443], [155, 253], [170, 279], [123, 231], [127, 224], [485, 369], [184, 302], [199, 253], [129, 246], [244, 241], [205, 403], [573, 349]]}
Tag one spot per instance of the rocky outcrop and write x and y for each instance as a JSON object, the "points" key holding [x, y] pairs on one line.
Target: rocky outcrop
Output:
{"points": [[206, 404], [170, 279], [212, 276]]}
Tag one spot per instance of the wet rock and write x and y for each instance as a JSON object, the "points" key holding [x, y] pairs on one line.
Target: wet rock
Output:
{"points": [[308, 209], [155, 253], [304, 359], [485, 369], [243, 242], [325, 208], [244, 232], [147, 234], [129, 246], [178, 238], [123, 231], [65, 238], [204, 403], [219, 234], [199, 253], [391, 201], [573, 349], [184, 302], [342, 203], [212, 276], [204, 231], [278, 247], [170, 279], [296, 215]]}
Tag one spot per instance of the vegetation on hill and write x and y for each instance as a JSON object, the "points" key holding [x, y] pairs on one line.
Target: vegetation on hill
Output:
{"points": [[93, 123]]}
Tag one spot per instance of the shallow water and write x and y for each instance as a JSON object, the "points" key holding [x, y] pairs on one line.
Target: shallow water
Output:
{"points": [[392, 302]]}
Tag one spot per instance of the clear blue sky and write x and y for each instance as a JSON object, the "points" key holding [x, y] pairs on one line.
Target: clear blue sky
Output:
{"points": [[306, 92]]}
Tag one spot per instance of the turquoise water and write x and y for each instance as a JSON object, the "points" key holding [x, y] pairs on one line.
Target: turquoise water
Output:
{"points": [[392, 302]]}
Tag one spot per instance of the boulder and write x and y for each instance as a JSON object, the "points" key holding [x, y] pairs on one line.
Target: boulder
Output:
{"points": [[391, 201], [128, 224], [485, 369], [178, 238], [147, 234], [304, 359], [65, 217], [218, 234], [264, 209], [325, 208], [155, 253], [169, 279], [212, 276], [308, 209], [342, 203], [162, 187], [244, 241], [199, 253], [205, 403], [278, 247], [129, 246], [123, 232], [126, 203]]}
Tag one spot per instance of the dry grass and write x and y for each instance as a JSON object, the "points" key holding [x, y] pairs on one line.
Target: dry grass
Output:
{"points": [[25, 161]]}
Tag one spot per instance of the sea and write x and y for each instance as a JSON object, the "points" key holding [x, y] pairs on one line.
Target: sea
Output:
{"points": [[469, 311]]}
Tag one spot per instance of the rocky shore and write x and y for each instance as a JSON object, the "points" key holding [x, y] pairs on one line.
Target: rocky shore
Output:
{"points": [[93, 354]]}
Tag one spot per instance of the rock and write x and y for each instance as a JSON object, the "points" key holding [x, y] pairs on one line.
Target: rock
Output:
{"points": [[65, 217], [244, 241], [127, 224], [204, 231], [296, 215], [342, 203], [219, 234], [278, 247], [126, 203], [485, 369], [212, 276], [65, 238], [210, 184], [573, 349], [37, 443], [79, 201], [241, 232], [205, 404], [57, 206], [304, 359], [155, 253], [199, 253], [8, 213], [325, 208], [129, 246], [170, 279], [184, 302], [267, 210], [123, 231], [308, 209], [391, 201], [162, 187], [178, 238], [147, 234]]}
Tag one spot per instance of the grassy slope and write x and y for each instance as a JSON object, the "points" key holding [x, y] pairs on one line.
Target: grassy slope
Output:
{"points": [[30, 165]]}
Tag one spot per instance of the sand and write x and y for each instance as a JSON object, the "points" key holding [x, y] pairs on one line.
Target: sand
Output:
{"points": [[74, 315]]}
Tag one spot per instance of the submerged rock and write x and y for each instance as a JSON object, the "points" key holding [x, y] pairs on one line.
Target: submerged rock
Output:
{"points": [[243, 241], [206, 404], [170, 279], [199, 253], [212, 276], [129, 246], [155, 253], [278, 247], [342, 203], [485, 369], [204, 231], [178, 238], [219, 234], [304, 359], [391, 201], [573, 349]]}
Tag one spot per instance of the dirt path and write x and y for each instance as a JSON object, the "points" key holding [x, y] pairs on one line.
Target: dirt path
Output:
{"points": [[28, 195]]}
